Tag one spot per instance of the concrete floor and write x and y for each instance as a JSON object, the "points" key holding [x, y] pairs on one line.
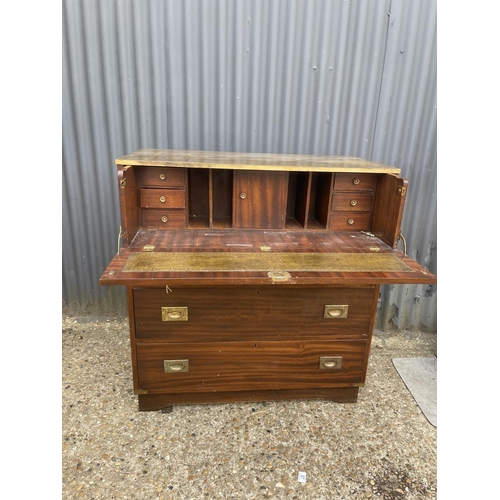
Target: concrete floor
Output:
{"points": [[380, 447]]}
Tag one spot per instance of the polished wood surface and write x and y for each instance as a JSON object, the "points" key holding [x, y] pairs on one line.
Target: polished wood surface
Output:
{"points": [[232, 262], [129, 204], [388, 208], [259, 200], [246, 313], [246, 366], [252, 161], [162, 198], [162, 177]]}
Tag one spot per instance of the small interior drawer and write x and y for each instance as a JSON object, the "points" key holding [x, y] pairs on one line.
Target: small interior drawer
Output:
{"points": [[352, 202], [354, 182], [163, 198], [346, 221], [162, 177], [257, 365], [163, 219]]}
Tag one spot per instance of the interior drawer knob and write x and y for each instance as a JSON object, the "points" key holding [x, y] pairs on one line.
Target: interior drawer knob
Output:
{"points": [[163, 199], [243, 196], [354, 203], [355, 181], [330, 363], [174, 313], [163, 176], [350, 221], [164, 218], [335, 311]]}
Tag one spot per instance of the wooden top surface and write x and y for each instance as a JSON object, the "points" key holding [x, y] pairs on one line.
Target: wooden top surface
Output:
{"points": [[252, 161]]}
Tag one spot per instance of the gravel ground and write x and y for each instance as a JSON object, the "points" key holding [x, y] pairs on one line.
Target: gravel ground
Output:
{"points": [[380, 447]]}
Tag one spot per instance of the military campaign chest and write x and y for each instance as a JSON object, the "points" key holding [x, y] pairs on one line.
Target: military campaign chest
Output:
{"points": [[255, 276]]}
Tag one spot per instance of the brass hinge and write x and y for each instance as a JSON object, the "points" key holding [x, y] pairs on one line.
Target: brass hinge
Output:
{"points": [[123, 183], [358, 384], [138, 392], [401, 191], [148, 248]]}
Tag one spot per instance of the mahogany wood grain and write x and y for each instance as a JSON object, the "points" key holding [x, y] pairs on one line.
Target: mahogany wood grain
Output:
{"points": [[198, 194], [222, 200], [247, 241], [248, 313], [152, 218], [388, 208], [255, 335], [162, 177], [128, 193], [151, 402], [247, 366], [162, 198], [298, 198], [320, 203], [259, 200], [350, 221], [355, 182], [133, 351], [352, 202]]}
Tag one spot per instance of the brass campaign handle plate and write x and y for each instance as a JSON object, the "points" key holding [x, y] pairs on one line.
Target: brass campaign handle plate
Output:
{"points": [[335, 311], [176, 365], [174, 313]]}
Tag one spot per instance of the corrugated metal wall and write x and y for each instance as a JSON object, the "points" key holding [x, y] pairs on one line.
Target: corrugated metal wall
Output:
{"points": [[289, 76]]}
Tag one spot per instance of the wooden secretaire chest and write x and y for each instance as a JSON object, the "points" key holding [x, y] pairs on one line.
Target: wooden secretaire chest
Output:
{"points": [[255, 276]]}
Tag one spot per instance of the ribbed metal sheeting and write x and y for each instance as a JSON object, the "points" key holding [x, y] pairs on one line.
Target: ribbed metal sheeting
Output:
{"points": [[346, 77]]}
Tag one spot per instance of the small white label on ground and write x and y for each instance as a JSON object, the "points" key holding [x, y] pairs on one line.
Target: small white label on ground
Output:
{"points": [[302, 477]]}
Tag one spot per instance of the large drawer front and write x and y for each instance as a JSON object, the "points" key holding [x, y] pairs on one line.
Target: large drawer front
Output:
{"points": [[247, 313], [247, 366]]}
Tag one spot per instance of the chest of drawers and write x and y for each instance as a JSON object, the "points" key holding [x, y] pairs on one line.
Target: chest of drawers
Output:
{"points": [[254, 277]]}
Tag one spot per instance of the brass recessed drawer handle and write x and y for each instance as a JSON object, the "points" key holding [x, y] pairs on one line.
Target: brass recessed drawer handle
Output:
{"points": [[335, 311], [330, 363], [163, 176], [163, 199], [174, 313], [176, 365]]}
